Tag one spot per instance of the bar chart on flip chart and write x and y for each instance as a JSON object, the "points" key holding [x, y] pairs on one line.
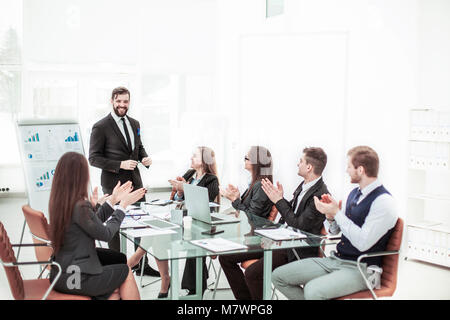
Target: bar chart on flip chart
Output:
{"points": [[41, 144]]}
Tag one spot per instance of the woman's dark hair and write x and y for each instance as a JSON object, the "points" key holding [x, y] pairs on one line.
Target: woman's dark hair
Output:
{"points": [[70, 185], [261, 162]]}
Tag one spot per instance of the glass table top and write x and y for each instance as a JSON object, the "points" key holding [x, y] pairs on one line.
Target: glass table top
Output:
{"points": [[177, 245]]}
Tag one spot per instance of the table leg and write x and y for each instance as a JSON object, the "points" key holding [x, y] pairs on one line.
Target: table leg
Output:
{"points": [[198, 278], [123, 244], [267, 274], [174, 282]]}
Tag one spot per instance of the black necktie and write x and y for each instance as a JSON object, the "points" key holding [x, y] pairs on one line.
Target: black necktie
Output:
{"points": [[294, 204], [355, 199], [127, 134]]}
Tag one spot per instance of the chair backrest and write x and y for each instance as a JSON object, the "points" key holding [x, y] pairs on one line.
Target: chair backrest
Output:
{"points": [[38, 225], [273, 213], [12, 273], [390, 263]]}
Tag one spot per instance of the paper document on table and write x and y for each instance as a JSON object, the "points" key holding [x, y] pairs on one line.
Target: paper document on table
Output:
{"points": [[280, 234], [218, 244], [161, 215], [145, 232], [131, 223]]}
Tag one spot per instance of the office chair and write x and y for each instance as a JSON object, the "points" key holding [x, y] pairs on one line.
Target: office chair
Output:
{"points": [[29, 289], [389, 265], [40, 231]]}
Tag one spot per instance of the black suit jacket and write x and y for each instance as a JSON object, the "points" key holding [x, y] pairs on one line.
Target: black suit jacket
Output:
{"points": [[108, 148], [85, 227], [209, 181], [254, 201], [306, 218]]}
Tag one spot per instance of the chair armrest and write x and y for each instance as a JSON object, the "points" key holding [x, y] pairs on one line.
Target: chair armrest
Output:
{"points": [[32, 245], [372, 254], [28, 263], [376, 254]]}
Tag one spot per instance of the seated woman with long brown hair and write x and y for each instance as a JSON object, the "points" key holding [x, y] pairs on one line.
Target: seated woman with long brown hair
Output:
{"points": [[203, 173], [254, 201], [74, 227]]}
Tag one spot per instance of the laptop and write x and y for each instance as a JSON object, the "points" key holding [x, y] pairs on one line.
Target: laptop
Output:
{"points": [[196, 200]]}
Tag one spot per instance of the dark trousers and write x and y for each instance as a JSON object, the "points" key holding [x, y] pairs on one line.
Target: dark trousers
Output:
{"points": [[188, 280], [249, 285]]}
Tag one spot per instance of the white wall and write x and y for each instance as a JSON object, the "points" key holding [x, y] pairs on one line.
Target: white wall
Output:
{"points": [[397, 57], [382, 73]]}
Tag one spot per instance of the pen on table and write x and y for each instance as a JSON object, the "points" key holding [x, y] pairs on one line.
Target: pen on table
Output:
{"points": [[143, 227]]}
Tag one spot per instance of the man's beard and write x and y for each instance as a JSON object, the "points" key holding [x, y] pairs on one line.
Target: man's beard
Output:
{"points": [[355, 179], [118, 114]]}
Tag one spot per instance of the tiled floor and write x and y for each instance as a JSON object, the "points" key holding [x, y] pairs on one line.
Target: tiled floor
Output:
{"points": [[417, 280]]}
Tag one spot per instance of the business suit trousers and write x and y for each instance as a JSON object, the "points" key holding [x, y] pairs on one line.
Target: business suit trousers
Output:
{"points": [[321, 278], [249, 285], [188, 281], [97, 286]]}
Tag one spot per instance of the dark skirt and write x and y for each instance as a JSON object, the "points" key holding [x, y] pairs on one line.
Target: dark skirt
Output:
{"points": [[97, 286]]}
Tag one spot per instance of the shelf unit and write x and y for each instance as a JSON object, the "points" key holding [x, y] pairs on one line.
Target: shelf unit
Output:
{"points": [[428, 203]]}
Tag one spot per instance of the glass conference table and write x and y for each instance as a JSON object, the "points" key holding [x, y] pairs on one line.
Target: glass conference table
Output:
{"points": [[176, 246]]}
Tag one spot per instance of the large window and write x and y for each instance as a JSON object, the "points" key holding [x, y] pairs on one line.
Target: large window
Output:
{"points": [[75, 54], [10, 76]]}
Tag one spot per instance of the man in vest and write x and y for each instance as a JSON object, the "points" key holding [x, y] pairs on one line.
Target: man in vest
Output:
{"points": [[366, 224]]}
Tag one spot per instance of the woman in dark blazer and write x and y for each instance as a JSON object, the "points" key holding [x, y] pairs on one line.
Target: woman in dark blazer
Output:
{"points": [[203, 173], [74, 227], [254, 201]]}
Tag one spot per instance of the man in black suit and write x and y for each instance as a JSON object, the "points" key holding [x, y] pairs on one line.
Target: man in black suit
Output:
{"points": [[299, 213], [116, 148]]}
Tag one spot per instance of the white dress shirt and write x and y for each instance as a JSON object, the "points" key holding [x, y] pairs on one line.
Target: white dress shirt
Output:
{"points": [[120, 125], [382, 216], [305, 188]]}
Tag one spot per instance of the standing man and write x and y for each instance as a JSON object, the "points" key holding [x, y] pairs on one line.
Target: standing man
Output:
{"points": [[299, 213], [116, 148], [366, 221]]}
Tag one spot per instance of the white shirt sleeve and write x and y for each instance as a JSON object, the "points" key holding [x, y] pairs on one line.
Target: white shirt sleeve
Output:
{"points": [[382, 216], [108, 202], [118, 206], [331, 227]]}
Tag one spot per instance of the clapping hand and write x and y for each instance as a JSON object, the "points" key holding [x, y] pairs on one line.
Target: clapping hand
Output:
{"points": [[94, 198], [132, 197], [327, 205], [120, 191], [274, 194], [231, 192], [178, 184]]}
